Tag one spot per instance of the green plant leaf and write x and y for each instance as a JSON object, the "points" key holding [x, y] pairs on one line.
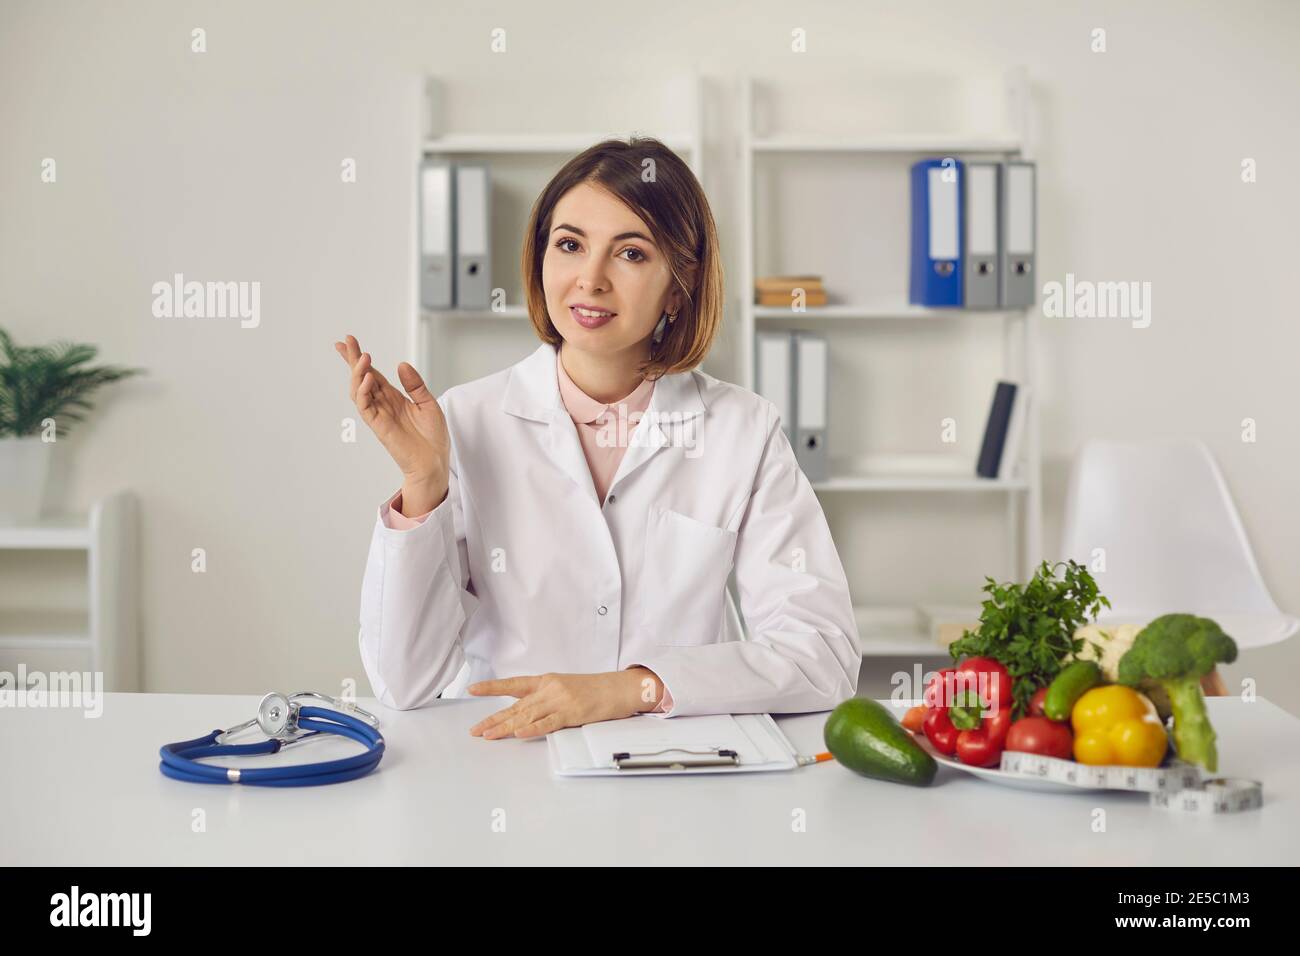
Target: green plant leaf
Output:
{"points": [[49, 382], [1029, 628]]}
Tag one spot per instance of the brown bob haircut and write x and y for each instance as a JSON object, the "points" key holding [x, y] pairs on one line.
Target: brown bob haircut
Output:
{"points": [[673, 205]]}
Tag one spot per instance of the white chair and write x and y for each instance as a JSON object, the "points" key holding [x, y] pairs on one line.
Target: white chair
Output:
{"points": [[1172, 538]]}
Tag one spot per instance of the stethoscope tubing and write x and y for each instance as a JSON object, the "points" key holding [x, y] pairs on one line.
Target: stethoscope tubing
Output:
{"points": [[180, 759]]}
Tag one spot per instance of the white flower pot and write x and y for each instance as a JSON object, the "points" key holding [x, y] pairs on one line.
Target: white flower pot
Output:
{"points": [[24, 468]]}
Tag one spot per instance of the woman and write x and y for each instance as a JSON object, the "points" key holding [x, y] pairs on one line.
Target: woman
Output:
{"points": [[566, 527]]}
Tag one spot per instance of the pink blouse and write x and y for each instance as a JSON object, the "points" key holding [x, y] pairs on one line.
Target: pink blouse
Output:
{"points": [[600, 433]]}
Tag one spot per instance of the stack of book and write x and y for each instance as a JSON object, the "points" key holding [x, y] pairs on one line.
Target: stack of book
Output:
{"points": [[784, 291]]}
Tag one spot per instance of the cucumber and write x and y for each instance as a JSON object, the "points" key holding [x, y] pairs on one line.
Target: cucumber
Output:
{"points": [[1070, 684], [865, 737]]}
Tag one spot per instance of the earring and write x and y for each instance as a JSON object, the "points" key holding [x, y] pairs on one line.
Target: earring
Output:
{"points": [[663, 323]]}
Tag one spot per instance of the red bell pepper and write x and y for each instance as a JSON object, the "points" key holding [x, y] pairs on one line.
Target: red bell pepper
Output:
{"points": [[940, 731], [938, 728], [970, 711], [982, 747]]}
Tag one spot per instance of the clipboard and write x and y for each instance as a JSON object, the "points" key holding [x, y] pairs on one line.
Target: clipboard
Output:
{"points": [[636, 746]]}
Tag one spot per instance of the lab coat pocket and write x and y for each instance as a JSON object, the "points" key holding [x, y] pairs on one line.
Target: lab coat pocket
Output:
{"points": [[687, 563]]}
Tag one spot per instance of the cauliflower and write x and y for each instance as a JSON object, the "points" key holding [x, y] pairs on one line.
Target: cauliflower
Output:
{"points": [[1113, 642], [1106, 644]]}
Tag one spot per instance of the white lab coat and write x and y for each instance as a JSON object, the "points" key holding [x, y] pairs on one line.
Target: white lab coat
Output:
{"points": [[521, 570]]}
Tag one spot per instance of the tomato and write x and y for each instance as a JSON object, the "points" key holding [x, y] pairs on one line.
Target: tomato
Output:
{"points": [[914, 719], [1038, 735], [1036, 702]]}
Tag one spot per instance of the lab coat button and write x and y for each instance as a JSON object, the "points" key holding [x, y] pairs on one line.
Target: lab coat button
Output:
{"points": [[601, 609]]}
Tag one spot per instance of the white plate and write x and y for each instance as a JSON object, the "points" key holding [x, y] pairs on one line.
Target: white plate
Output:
{"points": [[997, 775], [1022, 781]]}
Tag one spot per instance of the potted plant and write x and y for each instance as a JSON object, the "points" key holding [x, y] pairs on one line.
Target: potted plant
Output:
{"points": [[42, 389]]}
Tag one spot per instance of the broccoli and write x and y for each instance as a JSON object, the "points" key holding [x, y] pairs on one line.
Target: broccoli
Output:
{"points": [[1174, 652]]}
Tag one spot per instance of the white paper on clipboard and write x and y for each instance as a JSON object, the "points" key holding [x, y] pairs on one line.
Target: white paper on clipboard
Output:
{"points": [[589, 751]]}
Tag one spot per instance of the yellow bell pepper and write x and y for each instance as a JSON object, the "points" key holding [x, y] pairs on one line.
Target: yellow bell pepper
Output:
{"points": [[1117, 725]]}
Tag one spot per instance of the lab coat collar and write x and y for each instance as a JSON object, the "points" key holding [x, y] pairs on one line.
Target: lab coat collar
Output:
{"points": [[533, 392], [586, 410]]}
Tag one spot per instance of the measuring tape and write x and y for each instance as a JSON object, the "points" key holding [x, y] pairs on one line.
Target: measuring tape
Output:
{"points": [[1220, 795], [1175, 787], [1177, 776]]}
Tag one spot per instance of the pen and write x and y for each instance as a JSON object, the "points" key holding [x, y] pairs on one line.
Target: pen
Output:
{"points": [[805, 761]]}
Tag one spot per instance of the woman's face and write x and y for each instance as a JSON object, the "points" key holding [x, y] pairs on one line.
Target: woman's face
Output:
{"points": [[599, 255]]}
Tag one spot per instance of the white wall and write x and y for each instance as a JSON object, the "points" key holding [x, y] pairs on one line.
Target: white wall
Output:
{"points": [[225, 165]]}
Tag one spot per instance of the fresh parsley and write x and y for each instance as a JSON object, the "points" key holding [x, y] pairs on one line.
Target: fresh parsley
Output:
{"points": [[1029, 628]]}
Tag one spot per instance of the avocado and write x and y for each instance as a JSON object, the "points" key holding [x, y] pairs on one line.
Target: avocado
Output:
{"points": [[865, 737]]}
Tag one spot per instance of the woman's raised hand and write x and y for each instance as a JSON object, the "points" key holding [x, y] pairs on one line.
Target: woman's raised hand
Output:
{"points": [[412, 429]]}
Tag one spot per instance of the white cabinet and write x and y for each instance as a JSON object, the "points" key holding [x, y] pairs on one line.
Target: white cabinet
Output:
{"points": [[98, 629]]}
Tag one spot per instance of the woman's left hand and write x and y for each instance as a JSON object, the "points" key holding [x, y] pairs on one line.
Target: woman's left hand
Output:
{"points": [[549, 702]]}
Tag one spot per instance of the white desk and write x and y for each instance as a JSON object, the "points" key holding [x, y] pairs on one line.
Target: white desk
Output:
{"points": [[88, 792]]}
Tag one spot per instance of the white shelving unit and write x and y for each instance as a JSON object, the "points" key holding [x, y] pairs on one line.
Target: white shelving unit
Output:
{"points": [[530, 144], [105, 635], [546, 150], [899, 630]]}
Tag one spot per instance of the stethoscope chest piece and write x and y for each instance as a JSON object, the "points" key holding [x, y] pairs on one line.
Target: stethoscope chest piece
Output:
{"points": [[276, 716]]}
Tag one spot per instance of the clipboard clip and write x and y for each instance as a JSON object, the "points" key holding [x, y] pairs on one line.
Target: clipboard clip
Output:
{"points": [[713, 757]]}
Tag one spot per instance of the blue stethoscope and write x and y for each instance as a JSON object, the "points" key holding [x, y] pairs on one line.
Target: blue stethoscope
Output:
{"points": [[285, 722]]}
